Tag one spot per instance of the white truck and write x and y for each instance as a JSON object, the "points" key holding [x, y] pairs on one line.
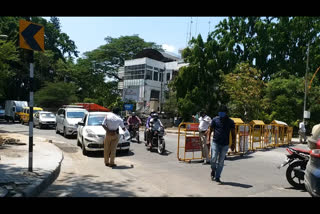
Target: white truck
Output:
{"points": [[13, 109]]}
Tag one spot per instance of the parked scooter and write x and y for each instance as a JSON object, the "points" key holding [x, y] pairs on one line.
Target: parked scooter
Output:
{"points": [[156, 133], [297, 160]]}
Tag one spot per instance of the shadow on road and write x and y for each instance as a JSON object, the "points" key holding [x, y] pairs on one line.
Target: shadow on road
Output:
{"points": [[237, 184], [74, 185]]}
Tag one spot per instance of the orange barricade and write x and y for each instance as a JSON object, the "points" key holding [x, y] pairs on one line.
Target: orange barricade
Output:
{"points": [[257, 127], [190, 133], [242, 131]]}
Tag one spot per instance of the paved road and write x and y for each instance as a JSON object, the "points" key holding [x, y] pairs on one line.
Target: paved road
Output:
{"points": [[142, 173]]}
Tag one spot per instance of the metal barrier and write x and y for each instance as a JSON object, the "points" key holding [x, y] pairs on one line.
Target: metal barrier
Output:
{"points": [[191, 143], [257, 128], [279, 132], [267, 136], [242, 132]]}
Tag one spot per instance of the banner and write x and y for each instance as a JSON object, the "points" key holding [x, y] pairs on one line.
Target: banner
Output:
{"points": [[192, 144]]}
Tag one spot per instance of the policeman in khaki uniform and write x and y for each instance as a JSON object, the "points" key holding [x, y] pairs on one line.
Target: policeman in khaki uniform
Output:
{"points": [[111, 124]]}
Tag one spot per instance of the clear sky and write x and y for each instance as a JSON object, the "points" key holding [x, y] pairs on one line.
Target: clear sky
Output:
{"points": [[172, 33]]}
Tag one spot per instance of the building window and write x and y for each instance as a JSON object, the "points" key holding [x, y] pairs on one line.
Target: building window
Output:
{"points": [[168, 76], [149, 75], [134, 72], [155, 94], [155, 76]]}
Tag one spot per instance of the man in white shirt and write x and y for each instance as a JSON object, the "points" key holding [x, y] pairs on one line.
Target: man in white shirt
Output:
{"points": [[111, 124], [204, 123], [302, 132]]}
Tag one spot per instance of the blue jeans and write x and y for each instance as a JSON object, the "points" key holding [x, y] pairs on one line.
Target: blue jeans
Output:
{"points": [[218, 153]]}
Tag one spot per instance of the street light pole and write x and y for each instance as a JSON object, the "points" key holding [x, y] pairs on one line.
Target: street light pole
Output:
{"points": [[305, 85]]}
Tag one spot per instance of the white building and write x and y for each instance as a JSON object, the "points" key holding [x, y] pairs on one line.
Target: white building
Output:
{"points": [[146, 78]]}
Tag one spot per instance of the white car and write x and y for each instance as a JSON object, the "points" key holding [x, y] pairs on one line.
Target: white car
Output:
{"points": [[44, 118], [67, 119], [91, 134]]}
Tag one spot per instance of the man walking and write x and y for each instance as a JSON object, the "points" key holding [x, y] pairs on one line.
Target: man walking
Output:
{"points": [[204, 123], [221, 126], [302, 132], [111, 124]]}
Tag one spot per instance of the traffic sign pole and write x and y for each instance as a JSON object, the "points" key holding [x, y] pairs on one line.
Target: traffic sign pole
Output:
{"points": [[31, 82], [31, 37]]}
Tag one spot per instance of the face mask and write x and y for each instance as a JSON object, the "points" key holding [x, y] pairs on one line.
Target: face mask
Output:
{"points": [[222, 114]]}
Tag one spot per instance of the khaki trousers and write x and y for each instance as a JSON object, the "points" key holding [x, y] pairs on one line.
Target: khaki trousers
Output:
{"points": [[204, 146], [110, 147]]}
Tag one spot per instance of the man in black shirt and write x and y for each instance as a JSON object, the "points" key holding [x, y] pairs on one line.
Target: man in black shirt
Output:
{"points": [[221, 126]]}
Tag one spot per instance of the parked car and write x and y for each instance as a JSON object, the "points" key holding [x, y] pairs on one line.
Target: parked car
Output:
{"points": [[2, 113], [91, 134], [312, 173], [25, 114], [44, 119], [67, 119]]}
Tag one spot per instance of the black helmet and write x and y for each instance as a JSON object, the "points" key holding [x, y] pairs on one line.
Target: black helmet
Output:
{"points": [[133, 114]]}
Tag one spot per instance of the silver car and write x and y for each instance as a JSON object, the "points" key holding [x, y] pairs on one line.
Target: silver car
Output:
{"points": [[312, 173], [68, 118], [44, 119]]}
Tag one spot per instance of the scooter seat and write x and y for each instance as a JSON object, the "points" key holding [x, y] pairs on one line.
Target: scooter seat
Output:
{"points": [[304, 151]]}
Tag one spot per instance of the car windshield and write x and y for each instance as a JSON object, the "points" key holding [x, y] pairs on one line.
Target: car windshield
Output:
{"points": [[95, 120], [75, 114], [47, 115]]}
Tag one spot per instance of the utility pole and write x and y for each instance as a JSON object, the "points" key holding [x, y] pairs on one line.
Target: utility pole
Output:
{"points": [[305, 85]]}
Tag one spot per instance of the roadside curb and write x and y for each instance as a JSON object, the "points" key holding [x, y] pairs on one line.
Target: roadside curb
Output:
{"points": [[47, 160], [39, 186]]}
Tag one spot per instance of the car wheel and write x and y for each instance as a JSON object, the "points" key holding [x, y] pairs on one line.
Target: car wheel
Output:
{"points": [[84, 151], [40, 126], [64, 132], [78, 142]]}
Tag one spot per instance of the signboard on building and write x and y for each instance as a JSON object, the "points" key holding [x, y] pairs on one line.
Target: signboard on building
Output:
{"points": [[131, 94], [128, 107]]}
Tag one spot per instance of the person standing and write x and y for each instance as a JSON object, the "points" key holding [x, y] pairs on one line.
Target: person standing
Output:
{"points": [[221, 126], [302, 132], [111, 124], [204, 123]]}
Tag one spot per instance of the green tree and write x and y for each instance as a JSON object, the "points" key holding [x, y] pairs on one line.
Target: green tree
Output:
{"points": [[244, 88], [109, 57], [197, 85], [284, 97], [54, 95]]}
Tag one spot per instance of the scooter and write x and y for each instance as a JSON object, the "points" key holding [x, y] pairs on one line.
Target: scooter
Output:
{"points": [[297, 160]]}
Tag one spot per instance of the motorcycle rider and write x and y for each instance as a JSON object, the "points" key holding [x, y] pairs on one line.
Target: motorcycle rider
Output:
{"points": [[132, 121], [155, 121], [147, 124]]}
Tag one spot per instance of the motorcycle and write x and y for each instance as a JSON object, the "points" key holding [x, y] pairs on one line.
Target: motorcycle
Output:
{"points": [[134, 132], [297, 160], [156, 138]]}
